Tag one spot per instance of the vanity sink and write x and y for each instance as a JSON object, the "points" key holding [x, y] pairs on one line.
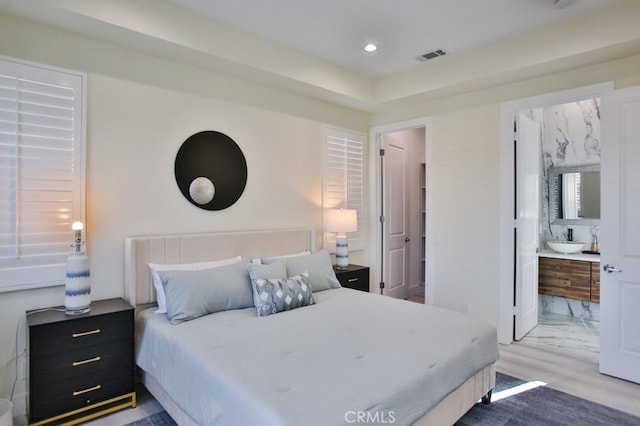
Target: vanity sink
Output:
{"points": [[566, 247]]}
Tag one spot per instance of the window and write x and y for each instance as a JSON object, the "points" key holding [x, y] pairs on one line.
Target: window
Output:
{"points": [[344, 180], [42, 135]]}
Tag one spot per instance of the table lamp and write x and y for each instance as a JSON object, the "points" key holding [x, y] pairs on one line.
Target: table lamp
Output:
{"points": [[342, 221], [77, 289]]}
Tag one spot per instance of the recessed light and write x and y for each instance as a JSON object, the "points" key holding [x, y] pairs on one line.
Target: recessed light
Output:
{"points": [[370, 48]]}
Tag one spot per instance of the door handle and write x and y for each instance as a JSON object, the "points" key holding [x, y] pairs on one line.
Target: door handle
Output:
{"points": [[610, 268], [407, 239]]}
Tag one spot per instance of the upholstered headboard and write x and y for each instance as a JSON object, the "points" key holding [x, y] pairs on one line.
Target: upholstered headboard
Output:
{"points": [[139, 251]]}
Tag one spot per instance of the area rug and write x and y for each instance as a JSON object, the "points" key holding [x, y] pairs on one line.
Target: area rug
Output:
{"points": [[538, 406]]}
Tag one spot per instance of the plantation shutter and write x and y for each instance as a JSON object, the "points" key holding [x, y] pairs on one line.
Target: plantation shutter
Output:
{"points": [[41, 172], [344, 180]]}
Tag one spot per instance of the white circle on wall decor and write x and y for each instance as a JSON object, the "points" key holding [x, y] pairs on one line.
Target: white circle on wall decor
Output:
{"points": [[202, 190]]}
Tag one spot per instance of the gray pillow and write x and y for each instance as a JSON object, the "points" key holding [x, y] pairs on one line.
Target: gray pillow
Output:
{"points": [[192, 294], [275, 269], [285, 294], [318, 264]]}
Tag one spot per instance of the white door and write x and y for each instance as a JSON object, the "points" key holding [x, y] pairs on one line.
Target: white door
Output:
{"points": [[527, 211], [620, 235], [395, 217]]}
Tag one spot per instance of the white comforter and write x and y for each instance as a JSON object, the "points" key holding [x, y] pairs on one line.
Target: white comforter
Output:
{"points": [[350, 353]]}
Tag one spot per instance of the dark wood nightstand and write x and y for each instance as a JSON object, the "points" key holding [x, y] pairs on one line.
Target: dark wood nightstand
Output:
{"points": [[355, 277], [80, 366]]}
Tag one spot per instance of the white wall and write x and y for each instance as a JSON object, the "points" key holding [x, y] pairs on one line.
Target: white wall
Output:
{"points": [[139, 111], [465, 191], [131, 186]]}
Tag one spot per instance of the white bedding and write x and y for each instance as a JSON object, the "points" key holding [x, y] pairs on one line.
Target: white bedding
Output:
{"points": [[351, 352]]}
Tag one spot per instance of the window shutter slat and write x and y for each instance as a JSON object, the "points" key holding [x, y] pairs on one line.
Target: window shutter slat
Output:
{"points": [[41, 160], [344, 180]]}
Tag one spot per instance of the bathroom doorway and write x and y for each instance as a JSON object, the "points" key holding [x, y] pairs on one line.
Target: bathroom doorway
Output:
{"points": [[568, 208], [568, 126]]}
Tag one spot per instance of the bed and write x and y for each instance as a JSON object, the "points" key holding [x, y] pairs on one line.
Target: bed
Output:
{"points": [[350, 357]]}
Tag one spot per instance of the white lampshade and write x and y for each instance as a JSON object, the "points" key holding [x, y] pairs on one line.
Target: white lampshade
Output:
{"points": [[342, 220]]}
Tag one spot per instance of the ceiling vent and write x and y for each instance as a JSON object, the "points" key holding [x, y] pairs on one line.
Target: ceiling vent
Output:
{"points": [[432, 55]]}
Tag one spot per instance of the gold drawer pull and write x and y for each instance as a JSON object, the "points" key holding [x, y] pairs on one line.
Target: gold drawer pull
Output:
{"points": [[86, 333], [353, 279], [80, 392], [86, 361]]}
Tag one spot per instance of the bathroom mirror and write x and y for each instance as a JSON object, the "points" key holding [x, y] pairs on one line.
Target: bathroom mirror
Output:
{"points": [[574, 195]]}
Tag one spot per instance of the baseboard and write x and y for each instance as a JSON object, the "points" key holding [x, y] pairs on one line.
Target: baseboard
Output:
{"points": [[20, 406]]}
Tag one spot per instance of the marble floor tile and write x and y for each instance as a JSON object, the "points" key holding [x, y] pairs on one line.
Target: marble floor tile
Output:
{"points": [[577, 337], [567, 306]]}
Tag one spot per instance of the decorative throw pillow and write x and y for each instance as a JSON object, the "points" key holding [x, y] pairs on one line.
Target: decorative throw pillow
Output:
{"points": [[192, 294], [275, 270], [318, 264], [284, 294], [155, 268]]}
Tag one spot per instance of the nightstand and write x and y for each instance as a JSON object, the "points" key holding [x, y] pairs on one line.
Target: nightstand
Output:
{"points": [[355, 277], [80, 366]]}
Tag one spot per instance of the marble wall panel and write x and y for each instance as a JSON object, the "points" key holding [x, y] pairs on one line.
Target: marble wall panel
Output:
{"points": [[570, 137]]}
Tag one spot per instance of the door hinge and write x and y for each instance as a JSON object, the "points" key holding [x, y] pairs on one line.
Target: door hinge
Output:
{"points": [[382, 219], [515, 126], [515, 310], [382, 152], [515, 223]]}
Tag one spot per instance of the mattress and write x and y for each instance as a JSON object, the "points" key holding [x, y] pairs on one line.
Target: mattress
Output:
{"points": [[350, 354]]}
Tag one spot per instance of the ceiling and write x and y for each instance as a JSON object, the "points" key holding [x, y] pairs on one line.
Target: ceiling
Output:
{"points": [[314, 48], [337, 30]]}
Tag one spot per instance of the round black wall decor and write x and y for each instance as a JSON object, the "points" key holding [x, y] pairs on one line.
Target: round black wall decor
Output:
{"points": [[211, 170]]}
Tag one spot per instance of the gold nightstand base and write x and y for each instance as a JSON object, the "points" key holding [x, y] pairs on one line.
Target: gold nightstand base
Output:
{"points": [[92, 411]]}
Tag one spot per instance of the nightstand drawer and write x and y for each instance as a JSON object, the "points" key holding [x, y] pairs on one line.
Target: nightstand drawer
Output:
{"points": [[74, 334], [83, 362], [355, 277], [71, 395]]}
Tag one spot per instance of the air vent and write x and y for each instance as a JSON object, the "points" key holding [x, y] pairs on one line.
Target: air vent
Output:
{"points": [[432, 55]]}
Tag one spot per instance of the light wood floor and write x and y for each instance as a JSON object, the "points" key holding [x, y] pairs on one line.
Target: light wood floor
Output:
{"points": [[573, 375]]}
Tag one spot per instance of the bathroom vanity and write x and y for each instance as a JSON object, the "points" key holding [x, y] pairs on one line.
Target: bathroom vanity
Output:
{"points": [[574, 276]]}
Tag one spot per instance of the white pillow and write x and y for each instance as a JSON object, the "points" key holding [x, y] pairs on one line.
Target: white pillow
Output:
{"points": [[196, 266]]}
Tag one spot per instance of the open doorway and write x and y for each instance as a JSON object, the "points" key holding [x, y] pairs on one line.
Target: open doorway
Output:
{"points": [[558, 196], [403, 209], [565, 122], [399, 199]]}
